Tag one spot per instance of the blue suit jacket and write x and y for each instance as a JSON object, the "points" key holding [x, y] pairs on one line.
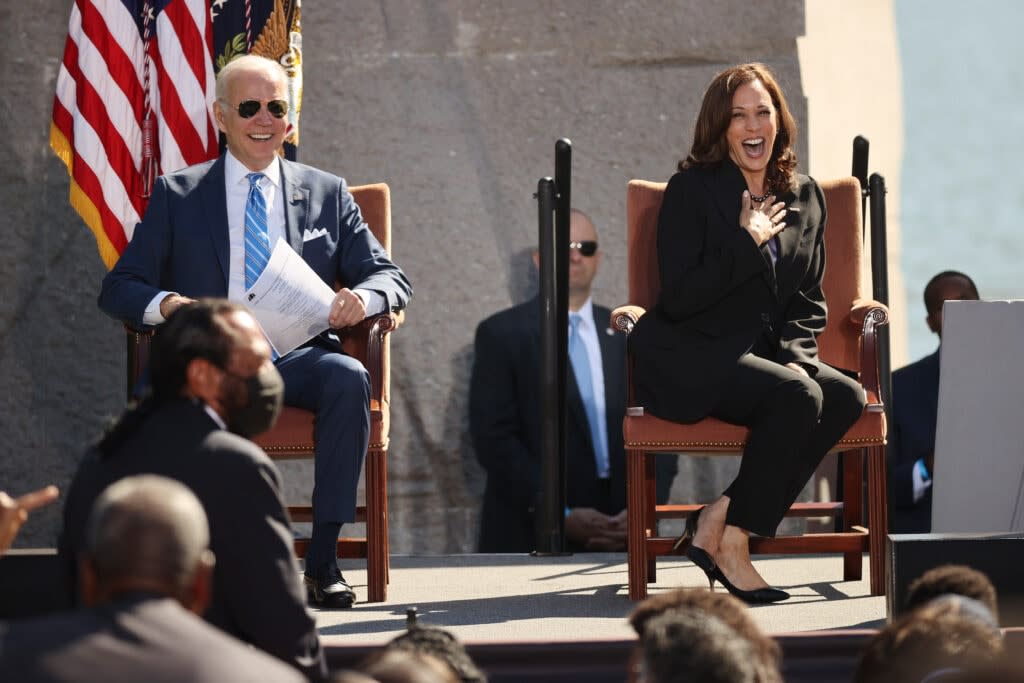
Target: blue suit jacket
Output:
{"points": [[181, 245], [915, 401]]}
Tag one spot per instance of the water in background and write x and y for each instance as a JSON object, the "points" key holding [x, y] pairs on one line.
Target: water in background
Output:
{"points": [[962, 189]]}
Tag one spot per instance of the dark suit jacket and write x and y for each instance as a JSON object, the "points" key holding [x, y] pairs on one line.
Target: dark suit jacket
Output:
{"points": [[135, 638], [721, 296], [915, 410], [181, 245], [505, 425], [257, 591]]}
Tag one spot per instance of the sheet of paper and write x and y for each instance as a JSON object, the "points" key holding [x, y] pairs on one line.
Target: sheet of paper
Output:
{"points": [[289, 300]]}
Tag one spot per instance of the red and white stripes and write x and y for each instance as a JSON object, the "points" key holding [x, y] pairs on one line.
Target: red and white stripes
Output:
{"points": [[100, 104]]}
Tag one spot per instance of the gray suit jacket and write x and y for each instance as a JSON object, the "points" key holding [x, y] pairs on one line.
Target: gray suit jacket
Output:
{"points": [[135, 638]]}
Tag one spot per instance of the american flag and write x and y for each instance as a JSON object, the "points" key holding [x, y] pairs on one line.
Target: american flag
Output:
{"points": [[135, 95]]}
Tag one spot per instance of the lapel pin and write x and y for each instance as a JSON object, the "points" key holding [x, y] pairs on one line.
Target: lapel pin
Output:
{"points": [[296, 196]]}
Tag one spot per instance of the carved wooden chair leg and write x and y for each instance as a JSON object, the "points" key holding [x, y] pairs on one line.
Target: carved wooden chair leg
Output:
{"points": [[853, 512], [878, 522], [636, 538]]}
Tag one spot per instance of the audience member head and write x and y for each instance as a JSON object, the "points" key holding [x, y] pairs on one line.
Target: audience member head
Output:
{"points": [[953, 579], [584, 257], [711, 145], [949, 285], [948, 633], [443, 645], [147, 534], [684, 645], [214, 350], [253, 136], [349, 676], [405, 666], [725, 608]]}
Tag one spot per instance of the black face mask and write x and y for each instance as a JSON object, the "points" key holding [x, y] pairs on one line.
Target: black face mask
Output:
{"points": [[256, 411]]}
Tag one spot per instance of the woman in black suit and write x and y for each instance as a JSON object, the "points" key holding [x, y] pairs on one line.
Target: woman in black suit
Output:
{"points": [[733, 335]]}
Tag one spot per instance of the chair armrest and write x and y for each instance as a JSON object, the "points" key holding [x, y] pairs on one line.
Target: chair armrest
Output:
{"points": [[862, 307], [868, 315], [624, 317], [375, 328]]}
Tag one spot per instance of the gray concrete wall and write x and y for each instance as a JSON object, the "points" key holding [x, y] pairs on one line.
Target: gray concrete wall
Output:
{"points": [[457, 106]]}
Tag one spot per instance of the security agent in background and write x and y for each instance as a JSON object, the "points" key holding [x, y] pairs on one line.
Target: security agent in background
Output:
{"points": [[146, 572], [915, 411], [212, 385], [505, 420]]}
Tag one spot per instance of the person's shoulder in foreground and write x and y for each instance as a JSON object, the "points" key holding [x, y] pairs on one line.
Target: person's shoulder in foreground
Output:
{"points": [[146, 571]]}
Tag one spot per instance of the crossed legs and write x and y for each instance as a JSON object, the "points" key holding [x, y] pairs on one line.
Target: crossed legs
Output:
{"points": [[794, 420]]}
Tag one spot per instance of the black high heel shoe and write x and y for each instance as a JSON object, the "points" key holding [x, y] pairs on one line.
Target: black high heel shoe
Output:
{"points": [[690, 530], [758, 596]]}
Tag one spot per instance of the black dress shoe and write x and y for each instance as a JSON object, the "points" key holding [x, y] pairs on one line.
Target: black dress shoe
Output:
{"points": [[328, 589]]}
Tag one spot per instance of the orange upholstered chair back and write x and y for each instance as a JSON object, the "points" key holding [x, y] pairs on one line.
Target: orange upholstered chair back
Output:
{"points": [[375, 204], [838, 344]]}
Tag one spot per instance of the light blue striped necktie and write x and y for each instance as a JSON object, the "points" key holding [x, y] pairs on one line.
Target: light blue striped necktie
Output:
{"points": [[257, 239], [580, 361]]}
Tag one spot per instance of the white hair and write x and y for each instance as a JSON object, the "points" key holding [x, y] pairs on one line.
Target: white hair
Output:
{"points": [[247, 63]]}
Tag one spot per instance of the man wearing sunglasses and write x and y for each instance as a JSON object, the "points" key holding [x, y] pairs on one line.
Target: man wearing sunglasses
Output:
{"points": [[207, 232], [505, 417]]}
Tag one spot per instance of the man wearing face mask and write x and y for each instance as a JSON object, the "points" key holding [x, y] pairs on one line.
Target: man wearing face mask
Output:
{"points": [[213, 383]]}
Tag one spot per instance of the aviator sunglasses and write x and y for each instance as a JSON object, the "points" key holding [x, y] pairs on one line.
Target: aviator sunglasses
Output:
{"points": [[248, 109], [587, 247]]}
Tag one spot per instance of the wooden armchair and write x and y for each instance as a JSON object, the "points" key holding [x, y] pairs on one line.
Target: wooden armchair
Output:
{"points": [[292, 436], [849, 342]]}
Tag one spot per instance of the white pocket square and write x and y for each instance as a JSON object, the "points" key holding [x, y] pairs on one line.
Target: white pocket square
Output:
{"points": [[308, 235]]}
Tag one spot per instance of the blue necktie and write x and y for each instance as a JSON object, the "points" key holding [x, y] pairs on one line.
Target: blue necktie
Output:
{"points": [[581, 369], [257, 239]]}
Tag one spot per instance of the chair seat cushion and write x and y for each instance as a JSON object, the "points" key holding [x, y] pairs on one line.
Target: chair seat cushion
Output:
{"points": [[650, 433], [292, 435]]}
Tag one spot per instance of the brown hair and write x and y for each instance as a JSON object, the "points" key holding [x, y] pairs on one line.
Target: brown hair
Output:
{"points": [[953, 579], [942, 634], [728, 609], [709, 144]]}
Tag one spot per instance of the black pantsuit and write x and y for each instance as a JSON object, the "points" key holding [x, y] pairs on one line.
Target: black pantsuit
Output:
{"points": [[728, 319], [794, 421]]}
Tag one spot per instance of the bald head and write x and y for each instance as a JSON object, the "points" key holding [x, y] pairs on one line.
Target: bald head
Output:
{"points": [[146, 533], [248, 64]]}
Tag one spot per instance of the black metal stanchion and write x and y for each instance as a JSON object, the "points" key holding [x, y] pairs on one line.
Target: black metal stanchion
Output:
{"points": [[553, 201], [880, 284], [860, 172]]}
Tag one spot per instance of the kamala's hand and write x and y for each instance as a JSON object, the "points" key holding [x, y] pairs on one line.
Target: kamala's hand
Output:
{"points": [[796, 367], [346, 310], [763, 220]]}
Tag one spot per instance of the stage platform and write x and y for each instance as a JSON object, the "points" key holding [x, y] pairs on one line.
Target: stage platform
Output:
{"points": [[527, 618], [492, 598]]}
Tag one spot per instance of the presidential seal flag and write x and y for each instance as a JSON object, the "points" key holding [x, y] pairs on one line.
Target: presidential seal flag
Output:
{"points": [[135, 94]]}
